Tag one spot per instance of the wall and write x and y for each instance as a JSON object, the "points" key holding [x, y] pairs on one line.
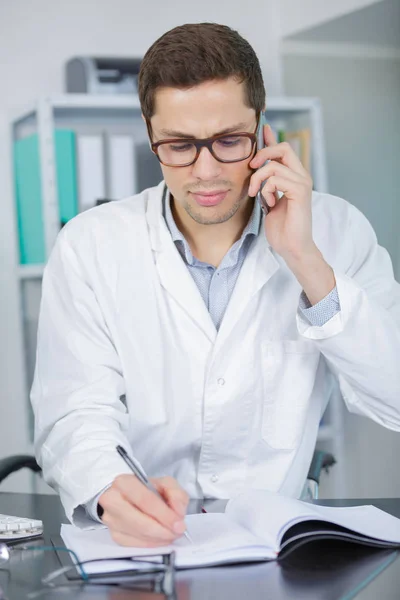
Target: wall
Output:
{"points": [[297, 16], [36, 38], [360, 99]]}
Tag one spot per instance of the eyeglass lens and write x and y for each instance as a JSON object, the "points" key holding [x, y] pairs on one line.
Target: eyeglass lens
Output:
{"points": [[226, 148]]}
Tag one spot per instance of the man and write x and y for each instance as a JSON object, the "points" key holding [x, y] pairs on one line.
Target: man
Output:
{"points": [[202, 336]]}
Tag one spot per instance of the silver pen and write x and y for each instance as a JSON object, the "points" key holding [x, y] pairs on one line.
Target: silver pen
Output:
{"points": [[141, 475]]}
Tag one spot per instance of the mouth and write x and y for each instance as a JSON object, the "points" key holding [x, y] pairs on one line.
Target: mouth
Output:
{"points": [[209, 198]]}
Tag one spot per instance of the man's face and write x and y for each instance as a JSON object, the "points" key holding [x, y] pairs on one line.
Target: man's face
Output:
{"points": [[203, 111]]}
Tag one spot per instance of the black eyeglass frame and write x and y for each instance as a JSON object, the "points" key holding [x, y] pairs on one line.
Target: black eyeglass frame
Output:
{"points": [[203, 143]]}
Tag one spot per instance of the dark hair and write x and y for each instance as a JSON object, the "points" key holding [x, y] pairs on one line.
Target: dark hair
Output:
{"points": [[194, 53]]}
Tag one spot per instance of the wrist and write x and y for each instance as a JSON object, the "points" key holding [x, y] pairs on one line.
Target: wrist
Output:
{"points": [[299, 260], [314, 274]]}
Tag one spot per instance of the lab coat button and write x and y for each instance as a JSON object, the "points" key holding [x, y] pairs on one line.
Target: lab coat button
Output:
{"points": [[221, 381], [214, 478]]}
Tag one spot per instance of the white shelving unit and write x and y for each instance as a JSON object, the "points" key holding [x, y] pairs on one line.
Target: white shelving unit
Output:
{"points": [[82, 111]]}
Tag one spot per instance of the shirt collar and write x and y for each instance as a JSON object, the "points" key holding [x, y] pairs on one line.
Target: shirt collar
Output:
{"points": [[252, 227]]}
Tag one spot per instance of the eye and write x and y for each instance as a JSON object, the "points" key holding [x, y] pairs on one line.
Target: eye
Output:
{"points": [[230, 141], [180, 147]]}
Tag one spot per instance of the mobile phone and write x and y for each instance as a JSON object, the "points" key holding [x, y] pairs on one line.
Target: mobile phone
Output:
{"points": [[260, 144]]}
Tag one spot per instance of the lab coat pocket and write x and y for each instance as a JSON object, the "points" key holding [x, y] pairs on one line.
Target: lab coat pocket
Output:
{"points": [[289, 368]]}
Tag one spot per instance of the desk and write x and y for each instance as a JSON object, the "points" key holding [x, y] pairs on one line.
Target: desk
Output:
{"points": [[311, 575]]}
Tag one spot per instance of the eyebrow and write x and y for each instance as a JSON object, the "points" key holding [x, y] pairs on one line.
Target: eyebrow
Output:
{"points": [[179, 134]]}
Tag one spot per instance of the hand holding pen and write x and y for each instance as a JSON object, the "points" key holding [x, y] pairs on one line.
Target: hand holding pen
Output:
{"points": [[141, 475], [138, 516]]}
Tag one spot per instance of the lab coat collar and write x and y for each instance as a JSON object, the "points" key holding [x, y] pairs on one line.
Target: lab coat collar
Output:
{"points": [[173, 273], [259, 266]]}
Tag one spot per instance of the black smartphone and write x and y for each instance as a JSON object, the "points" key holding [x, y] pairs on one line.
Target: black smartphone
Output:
{"points": [[260, 144]]}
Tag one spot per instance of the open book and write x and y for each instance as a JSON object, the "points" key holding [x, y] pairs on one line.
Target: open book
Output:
{"points": [[257, 525]]}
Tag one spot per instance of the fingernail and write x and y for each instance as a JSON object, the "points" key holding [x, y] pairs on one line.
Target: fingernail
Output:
{"points": [[179, 527]]}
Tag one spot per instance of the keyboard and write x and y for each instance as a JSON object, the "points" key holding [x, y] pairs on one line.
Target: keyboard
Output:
{"points": [[19, 528]]}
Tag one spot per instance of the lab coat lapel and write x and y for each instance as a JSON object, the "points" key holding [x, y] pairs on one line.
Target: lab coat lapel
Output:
{"points": [[173, 273], [259, 266]]}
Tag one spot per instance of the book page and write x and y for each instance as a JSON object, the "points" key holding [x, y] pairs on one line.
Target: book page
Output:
{"points": [[216, 539], [270, 515], [267, 514], [366, 520]]}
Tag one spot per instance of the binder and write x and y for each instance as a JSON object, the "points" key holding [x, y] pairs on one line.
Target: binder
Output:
{"points": [[122, 163], [66, 174], [28, 191], [91, 171]]}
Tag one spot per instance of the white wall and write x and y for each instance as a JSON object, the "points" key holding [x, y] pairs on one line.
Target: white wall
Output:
{"points": [[299, 15], [361, 99], [36, 38]]}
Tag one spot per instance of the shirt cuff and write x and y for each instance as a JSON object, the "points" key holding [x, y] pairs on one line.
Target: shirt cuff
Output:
{"points": [[91, 506], [323, 311]]}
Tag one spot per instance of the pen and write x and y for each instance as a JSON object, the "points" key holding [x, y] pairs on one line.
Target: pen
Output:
{"points": [[141, 475]]}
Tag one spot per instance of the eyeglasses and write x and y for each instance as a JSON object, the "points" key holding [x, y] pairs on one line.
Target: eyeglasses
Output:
{"points": [[183, 152], [155, 573]]}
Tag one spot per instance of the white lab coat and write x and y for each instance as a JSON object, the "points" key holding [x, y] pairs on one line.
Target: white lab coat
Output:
{"points": [[219, 411]]}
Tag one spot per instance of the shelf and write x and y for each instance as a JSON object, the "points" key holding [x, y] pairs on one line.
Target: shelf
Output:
{"points": [[291, 104], [131, 102], [30, 271], [92, 101]]}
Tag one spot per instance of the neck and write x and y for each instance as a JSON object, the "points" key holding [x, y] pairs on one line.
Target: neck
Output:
{"points": [[210, 243]]}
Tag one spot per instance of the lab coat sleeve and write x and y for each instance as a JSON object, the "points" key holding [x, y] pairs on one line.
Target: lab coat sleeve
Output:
{"points": [[79, 417], [361, 343]]}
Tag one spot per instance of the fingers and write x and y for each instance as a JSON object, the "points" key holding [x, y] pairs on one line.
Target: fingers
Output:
{"points": [[131, 509], [148, 502], [171, 491], [269, 136], [272, 168], [130, 526], [282, 152], [286, 186]]}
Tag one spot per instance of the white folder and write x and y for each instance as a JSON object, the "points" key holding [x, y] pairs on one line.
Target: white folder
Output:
{"points": [[91, 171], [121, 166]]}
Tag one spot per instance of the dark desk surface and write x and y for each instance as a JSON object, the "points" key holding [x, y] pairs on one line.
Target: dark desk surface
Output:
{"points": [[323, 572]]}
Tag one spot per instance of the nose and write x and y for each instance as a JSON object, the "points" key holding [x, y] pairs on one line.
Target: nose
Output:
{"points": [[206, 166]]}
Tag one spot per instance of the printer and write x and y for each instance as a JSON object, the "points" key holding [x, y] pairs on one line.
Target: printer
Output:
{"points": [[102, 75]]}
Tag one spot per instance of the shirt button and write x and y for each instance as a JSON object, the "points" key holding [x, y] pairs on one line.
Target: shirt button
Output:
{"points": [[214, 478], [221, 381]]}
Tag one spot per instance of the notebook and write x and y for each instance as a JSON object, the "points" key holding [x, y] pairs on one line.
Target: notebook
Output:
{"points": [[256, 526]]}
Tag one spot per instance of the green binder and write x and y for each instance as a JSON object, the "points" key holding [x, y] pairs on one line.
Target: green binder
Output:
{"points": [[28, 188]]}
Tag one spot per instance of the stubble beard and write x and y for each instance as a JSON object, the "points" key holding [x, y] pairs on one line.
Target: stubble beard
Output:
{"points": [[202, 219]]}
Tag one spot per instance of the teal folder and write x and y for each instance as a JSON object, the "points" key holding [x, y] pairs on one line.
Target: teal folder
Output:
{"points": [[28, 189]]}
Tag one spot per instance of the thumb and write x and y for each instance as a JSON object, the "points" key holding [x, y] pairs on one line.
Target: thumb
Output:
{"points": [[173, 494]]}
